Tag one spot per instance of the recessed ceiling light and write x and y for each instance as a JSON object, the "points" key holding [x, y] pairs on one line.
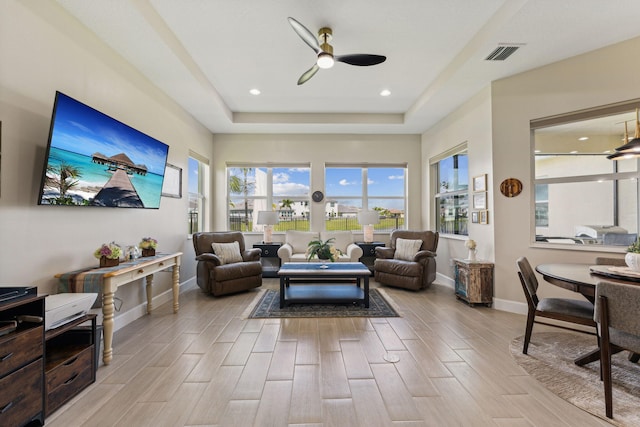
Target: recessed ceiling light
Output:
{"points": [[537, 151], [573, 152], [606, 151], [385, 92], [254, 91], [583, 138]]}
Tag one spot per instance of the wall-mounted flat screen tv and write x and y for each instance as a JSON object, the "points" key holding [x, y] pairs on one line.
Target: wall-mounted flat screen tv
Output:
{"points": [[95, 160]]}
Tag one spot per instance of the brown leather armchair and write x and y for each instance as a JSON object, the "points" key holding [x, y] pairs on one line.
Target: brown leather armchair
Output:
{"points": [[416, 274], [219, 278]]}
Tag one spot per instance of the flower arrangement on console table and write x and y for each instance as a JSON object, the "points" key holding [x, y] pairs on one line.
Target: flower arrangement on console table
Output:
{"points": [[323, 250], [108, 254], [148, 246], [632, 258]]}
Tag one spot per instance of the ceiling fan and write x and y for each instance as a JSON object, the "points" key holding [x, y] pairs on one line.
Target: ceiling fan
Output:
{"points": [[324, 50]]}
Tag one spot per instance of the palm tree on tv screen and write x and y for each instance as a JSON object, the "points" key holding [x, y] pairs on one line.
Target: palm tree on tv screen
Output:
{"points": [[63, 178]]}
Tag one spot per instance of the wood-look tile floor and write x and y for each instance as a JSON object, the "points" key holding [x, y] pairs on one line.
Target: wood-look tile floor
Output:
{"points": [[209, 366]]}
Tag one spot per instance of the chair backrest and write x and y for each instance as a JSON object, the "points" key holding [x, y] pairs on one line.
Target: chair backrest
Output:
{"points": [[341, 239], [623, 303], [299, 240], [202, 241], [618, 262], [429, 238], [529, 281]]}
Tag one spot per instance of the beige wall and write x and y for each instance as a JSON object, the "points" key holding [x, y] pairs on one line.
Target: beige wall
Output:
{"points": [[503, 150], [597, 78], [470, 124], [43, 50], [316, 150]]}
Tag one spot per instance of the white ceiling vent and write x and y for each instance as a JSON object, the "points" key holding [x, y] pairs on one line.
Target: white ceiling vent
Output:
{"points": [[502, 52]]}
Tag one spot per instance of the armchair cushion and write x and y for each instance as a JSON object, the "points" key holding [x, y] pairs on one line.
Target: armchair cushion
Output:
{"points": [[341, 239], [406, 249], [299, 240], [228, 253]]}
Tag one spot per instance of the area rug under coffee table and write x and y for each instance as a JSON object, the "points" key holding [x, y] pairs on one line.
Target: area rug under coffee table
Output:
{"points": [[268, 306], [550, 361]]}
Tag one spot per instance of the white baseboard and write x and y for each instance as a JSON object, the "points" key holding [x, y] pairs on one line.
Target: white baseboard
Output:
{"points": [[498, 304], [140, 310], [445, 281]]}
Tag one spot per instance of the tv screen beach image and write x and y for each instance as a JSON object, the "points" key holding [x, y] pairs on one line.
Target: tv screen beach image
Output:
{"points": [[95, 160]]}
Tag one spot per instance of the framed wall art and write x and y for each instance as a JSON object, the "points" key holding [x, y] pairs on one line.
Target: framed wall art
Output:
{"points": [[484, 217], [475, 217], [480, 182], [172, 185], [480, 200]]}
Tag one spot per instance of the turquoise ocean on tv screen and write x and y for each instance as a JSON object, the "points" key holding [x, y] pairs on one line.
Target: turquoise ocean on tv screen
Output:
{"points": [[94, 176]]}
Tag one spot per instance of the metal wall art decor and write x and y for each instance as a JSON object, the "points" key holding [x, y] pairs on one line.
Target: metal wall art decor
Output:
{"points": [[511, 187]]}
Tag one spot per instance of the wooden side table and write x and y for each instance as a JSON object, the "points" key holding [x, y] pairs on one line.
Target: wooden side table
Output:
{"points": [[269, 258], [369, 253], [474, 281]]}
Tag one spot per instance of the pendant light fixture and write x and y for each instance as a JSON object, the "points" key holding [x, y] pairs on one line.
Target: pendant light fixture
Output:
{"points": [[632, 148]]}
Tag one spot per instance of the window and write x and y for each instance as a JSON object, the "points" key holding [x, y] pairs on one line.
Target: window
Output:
{"points": [[198, 183], [351, 188], [254, 188], [451, 174], [581, 197]]}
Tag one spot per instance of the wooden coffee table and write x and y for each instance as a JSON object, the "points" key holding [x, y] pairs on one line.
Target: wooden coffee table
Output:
{"points": [[324, 283]]}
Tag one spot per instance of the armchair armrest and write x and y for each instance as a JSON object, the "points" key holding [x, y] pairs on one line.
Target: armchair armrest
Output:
{"points": [[423, 255], [385, 252], [252, 254], [354, 252], [209, 257], [285, 251]]}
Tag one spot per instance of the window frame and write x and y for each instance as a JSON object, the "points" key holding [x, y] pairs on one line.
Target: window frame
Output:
{"points": [[437, 195], [201, 196], [269, 196], [400, 221], [613, 177]]}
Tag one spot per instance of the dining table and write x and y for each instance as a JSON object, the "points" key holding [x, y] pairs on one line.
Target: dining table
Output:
{"points": [[582, 278]]}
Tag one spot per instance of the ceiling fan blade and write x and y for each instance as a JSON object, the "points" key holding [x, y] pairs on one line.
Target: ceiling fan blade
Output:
{"points": [[308, 74], [361, 59], [306, 35]]}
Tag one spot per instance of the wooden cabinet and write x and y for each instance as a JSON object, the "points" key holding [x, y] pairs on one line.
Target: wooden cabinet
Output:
{"points": [[269, 258], [21, 355], [39, 372], [369, 253], [474, 281], [70, 361]]}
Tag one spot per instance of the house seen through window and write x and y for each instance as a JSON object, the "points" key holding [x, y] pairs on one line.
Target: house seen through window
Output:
{"points": [[351, 189], [451, 174], [284, 189]]}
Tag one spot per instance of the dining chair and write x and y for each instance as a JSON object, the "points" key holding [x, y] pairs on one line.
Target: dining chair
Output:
{"points": [[616, 311], [565, 309], [618, 262]]}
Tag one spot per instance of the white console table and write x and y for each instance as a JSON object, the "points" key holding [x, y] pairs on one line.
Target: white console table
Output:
{"points": [[108, 280]]}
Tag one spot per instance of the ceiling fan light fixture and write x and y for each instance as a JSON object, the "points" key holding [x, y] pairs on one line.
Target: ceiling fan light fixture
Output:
{"points": [[632, 147], [325, 60]]}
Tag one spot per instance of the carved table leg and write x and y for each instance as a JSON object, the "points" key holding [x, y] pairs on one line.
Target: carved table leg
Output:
{"points": [[176, 288], [149, 294], [107, 325]]}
